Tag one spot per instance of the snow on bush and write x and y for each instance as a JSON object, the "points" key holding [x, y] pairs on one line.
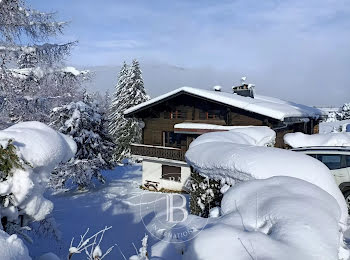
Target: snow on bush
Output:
{"points": [[90, 246], [283, 205], [85, 124], [304, 140], [42, 148], [344, 112], [223, 159], [12, 248], [205, 193], [276, 218], [39, 149], [142, 254]]}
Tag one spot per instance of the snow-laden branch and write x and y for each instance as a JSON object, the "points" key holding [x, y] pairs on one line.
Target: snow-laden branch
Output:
{"points": [[90, 245]]}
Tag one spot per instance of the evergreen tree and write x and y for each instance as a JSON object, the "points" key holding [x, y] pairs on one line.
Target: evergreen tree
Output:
{"points": [[83, 121], [344, 112], [116, 113], [31, 90], [129, 92]]}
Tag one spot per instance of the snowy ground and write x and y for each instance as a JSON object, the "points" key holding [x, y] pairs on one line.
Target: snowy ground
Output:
{"points": [[338, 126], [117, 204]]}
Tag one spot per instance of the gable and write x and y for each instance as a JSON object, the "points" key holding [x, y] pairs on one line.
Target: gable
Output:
{"points": [[200, 108], [266, 106]]}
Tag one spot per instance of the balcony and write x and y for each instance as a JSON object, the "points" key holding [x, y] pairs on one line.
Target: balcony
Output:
{"points": [[158, 152]]}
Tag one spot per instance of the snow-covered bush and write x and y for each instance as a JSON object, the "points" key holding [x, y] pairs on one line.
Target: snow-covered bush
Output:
{"points": [[206, 192], [29, 152], [129, 92], [344, 112], [143, 253], [204, 195], [12, 248], [332, 117], [83, 122], [272, 219], [91, 246], [282, 205], [232, 159]]}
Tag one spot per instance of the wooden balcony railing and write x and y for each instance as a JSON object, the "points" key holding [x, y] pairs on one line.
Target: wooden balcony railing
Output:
{"points": [[158, 151]]}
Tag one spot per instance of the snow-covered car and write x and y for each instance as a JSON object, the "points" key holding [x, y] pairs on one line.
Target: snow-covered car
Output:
{"points": [[337, 159]]}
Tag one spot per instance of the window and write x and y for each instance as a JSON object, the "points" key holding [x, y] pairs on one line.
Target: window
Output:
{"points": [[211, 114], [332, 161], [178, 114], [173, 139], [347, 160], [172, 173]]}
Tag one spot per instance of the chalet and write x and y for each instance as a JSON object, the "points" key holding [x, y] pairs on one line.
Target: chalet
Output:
{"points": [[173, 120]]}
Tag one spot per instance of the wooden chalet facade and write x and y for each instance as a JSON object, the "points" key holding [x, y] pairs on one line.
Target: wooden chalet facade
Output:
{"points": [[166, 144]]}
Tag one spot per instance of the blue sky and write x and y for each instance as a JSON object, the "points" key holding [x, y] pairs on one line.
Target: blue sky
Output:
{"points": [[187, 33], [298, 42]]}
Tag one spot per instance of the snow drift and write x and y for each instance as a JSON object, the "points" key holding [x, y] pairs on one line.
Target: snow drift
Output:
{"points": [[39, 144], [12, 248], [284, 205], [41, 149], [331, 139], [229, 157], [277, 218]]}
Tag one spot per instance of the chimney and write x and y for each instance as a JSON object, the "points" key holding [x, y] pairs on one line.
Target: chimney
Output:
{"points": [[217, 88], [245, 90]]}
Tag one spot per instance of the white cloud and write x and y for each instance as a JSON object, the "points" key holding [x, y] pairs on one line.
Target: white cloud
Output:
{"points": [[112, 44], [291, 48]]}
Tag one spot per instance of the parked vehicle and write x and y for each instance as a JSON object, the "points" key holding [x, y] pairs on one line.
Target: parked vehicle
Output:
{"points": [[337, 159]]}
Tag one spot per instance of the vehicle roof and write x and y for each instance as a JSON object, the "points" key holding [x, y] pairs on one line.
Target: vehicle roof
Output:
{"points": [[323, 148]]}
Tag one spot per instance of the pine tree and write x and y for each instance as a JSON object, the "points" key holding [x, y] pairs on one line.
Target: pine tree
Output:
{"points": [[115, 111], [129, 92], [83, 121], [344, 112], [29, 91]]}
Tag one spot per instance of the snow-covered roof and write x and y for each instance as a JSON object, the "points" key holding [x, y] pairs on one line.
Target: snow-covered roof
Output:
{"points": [[205, 126], [267, 106], [200, 128]]}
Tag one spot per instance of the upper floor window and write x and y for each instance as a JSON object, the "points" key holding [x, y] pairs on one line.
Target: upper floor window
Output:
{"points": [[211, 115], [178, 114]]}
